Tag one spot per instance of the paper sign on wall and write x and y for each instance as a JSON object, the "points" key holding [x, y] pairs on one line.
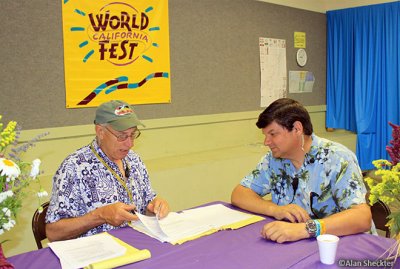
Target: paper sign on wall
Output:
{"points": [[273, 69], [301, 81], [300, 40]]}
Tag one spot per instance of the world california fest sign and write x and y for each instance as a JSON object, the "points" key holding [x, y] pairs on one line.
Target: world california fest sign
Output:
{"points": [[116, 50]]}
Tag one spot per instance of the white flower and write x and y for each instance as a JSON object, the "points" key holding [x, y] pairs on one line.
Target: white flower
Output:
{"points": [[35, 168], [7, 212], [360, 198], [9, 225], [9, 168], [1, 231], [4, 195], [42, 193]]}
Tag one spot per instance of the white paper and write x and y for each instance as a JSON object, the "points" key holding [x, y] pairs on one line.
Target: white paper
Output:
{"points": [[81, 252], [173, 228], [273, 69], [189, 223], [215, 215], [147, 224]]}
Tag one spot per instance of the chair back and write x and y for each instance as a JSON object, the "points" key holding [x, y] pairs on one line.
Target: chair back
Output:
{"points": [[38, 225], [380, 211]]}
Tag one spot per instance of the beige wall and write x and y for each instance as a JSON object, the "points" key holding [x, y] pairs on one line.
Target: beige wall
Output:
{"points": [[191, 160]]}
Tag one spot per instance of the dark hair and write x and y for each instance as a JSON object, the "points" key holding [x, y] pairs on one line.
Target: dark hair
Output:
{"points": [[285, 112]]}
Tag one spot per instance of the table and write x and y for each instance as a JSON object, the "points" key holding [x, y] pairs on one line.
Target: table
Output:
{"points": [[241, 249]]}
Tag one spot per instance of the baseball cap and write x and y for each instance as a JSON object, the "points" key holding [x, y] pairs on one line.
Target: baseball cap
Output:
{"points": [[118, 114]]}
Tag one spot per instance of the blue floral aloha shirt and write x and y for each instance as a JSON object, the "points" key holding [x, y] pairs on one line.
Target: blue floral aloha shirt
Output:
{"points": [[330, 179], [83, 183]]}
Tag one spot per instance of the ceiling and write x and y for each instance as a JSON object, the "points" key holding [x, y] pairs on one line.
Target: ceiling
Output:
{"points": [[325, 5]]}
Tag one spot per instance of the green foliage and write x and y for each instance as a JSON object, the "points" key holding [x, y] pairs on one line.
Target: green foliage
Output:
{"points": [[15, 174], [387, 190]]}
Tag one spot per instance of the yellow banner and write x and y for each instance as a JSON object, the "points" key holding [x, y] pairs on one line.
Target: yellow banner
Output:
{"points": [[116, 50]]}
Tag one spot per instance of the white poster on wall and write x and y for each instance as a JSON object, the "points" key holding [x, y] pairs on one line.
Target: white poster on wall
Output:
{"points": [[273, 69]]}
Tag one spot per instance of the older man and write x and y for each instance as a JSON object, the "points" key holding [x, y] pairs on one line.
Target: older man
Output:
{"points": [[315, 184], [98, 187]]}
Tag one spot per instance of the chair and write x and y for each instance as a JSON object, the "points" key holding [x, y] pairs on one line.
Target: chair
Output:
{"points": [[380, 211], [38, 225]]}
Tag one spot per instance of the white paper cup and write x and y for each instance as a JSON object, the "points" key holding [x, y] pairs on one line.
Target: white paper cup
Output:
{"points": [[327, 245]]}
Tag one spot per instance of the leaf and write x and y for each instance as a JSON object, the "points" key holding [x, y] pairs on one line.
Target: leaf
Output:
{"points": [[343, 168], [325, 193]]}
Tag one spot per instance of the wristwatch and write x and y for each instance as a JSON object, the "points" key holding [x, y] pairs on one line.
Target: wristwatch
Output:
{"points": [[311, 227]]}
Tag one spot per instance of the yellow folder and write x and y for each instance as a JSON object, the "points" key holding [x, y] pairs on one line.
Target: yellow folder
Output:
{"points": [[232, 226], [131, 255]]}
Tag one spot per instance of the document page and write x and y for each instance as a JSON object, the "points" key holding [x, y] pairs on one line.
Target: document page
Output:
{"points": [[180, 226], [173, 228], [215, 215], [190, 224], [81, 252], [150, 225]]}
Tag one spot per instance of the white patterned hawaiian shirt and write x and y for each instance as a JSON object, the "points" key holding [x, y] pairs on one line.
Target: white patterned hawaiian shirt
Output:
{"points": [[83, 183]]}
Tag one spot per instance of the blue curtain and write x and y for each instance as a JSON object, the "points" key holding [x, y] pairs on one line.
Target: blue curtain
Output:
{"points": [[363, 73]]}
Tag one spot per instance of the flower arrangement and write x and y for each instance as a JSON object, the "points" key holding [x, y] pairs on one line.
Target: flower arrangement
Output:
{"points": [[15, 174], [394, 150], [388, 188]]}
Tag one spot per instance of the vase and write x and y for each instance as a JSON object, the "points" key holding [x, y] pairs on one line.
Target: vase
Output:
{"points": [[4, 264]]}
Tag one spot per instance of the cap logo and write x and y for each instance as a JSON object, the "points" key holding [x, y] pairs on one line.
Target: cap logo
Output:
{"points": [[123, 110]]}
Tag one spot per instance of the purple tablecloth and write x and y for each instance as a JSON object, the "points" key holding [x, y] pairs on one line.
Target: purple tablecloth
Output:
{"points": [[242, 248]]}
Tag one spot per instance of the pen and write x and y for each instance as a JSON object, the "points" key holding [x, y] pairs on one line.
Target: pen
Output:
{"points": [[158, 212], [134, 211]]}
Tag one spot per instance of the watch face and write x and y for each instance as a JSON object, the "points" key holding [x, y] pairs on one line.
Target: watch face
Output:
{"points": [[311, 227], [301, 57]]}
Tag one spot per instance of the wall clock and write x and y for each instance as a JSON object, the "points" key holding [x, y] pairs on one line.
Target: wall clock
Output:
{"points": [[301, 57]]}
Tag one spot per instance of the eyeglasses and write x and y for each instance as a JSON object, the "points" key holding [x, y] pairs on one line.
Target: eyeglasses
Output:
{"points": [[122, 137]]}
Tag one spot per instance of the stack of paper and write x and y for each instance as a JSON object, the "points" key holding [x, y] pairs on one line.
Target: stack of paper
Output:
{"points": [[96, 252], [178, 228]]}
